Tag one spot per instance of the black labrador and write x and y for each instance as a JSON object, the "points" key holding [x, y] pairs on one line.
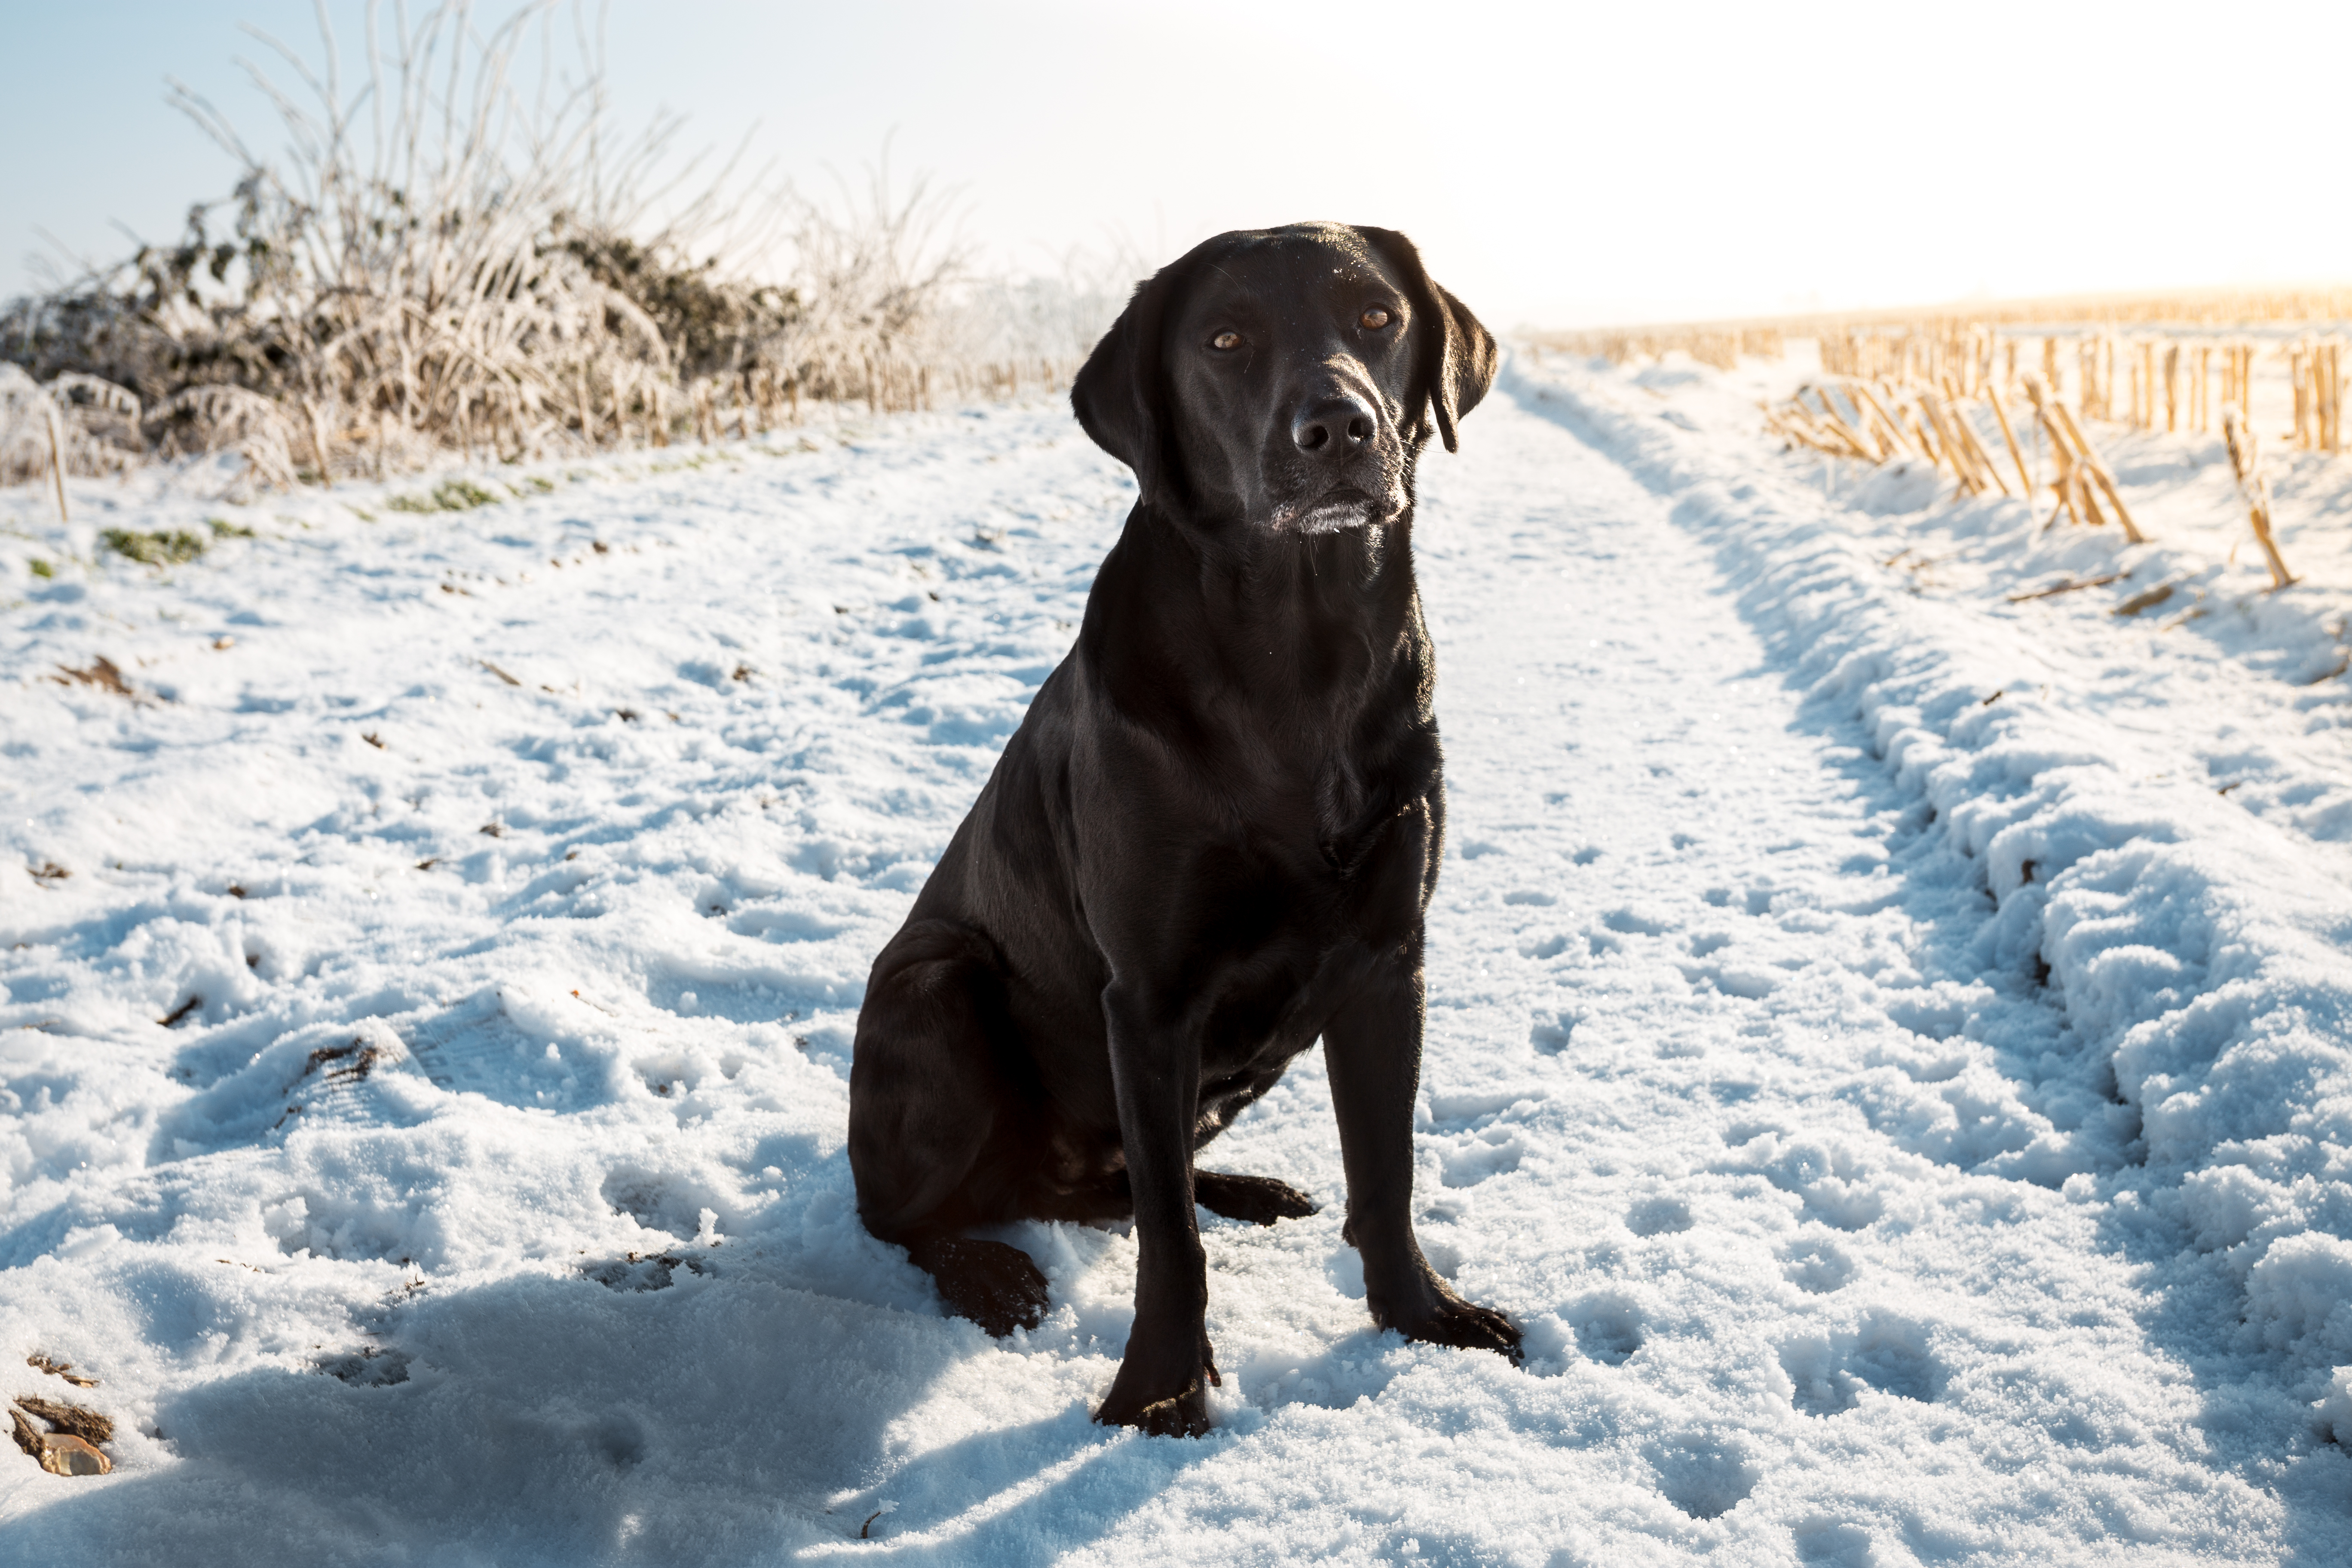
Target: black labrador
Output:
{"points": [[1214, 836]]}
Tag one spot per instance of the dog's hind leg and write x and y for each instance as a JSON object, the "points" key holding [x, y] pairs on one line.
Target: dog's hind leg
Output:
{"points": [[926, 1098], [993, 1284], [1257, 1200]]}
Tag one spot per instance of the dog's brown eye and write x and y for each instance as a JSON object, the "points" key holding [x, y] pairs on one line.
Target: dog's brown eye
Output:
{"points": [[1225, 343], [1374, 319]]}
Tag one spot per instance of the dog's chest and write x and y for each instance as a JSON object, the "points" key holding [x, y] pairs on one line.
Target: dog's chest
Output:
{"points": [[1335, 854]]}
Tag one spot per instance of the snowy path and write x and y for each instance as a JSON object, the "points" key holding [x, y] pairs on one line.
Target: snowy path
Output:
{"points": [[1743, 1094]]}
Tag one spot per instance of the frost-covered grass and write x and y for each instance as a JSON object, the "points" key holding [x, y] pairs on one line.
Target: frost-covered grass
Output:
{"points": [[1910, 1126]]}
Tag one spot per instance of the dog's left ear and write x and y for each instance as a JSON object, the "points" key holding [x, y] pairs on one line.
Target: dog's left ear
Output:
{"points": [[1456, 363], [1120, 395]]}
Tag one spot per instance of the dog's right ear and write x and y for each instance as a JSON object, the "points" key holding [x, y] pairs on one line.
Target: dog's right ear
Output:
{"points": [[1457, 353], [1120, 395]]}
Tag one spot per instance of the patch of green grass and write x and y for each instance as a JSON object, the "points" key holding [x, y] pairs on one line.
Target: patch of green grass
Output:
{"points": [[450, 495], [223, 528], [41, 568], [159, 549]]}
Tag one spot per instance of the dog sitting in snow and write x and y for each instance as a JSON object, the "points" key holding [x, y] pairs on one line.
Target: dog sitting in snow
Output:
{"points": [[1214, 835]]}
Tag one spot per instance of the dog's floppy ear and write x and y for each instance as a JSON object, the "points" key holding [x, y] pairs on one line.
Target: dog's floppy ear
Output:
{"points": [[1454, 364], [1120, 395]]}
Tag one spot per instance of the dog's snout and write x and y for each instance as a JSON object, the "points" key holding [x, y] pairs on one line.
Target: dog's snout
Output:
{"points": [[1334, 425]]}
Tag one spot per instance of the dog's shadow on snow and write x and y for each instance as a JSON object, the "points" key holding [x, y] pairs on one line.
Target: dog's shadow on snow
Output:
{"points": [[726, 1417]]}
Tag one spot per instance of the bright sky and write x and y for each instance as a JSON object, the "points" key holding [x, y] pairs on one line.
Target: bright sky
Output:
{"points": [[1561, 164]]}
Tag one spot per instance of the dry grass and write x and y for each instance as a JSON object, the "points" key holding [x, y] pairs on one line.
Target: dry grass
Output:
{"points": [[436, 267], [87, 1424], [64, 1369], [101, 672]]}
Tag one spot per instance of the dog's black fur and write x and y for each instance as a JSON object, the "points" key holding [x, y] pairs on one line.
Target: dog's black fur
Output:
{"points": [[1213, 837]]}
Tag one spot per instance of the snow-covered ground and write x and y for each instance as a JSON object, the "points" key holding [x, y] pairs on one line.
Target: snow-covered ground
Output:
{"points": [[1906, 1100]]}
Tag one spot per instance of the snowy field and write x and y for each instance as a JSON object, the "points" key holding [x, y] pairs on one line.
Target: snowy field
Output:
{"points": [[1888, 1043]]}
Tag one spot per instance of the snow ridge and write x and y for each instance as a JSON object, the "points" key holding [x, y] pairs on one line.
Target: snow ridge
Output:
{"points": [[2203, 1090]]}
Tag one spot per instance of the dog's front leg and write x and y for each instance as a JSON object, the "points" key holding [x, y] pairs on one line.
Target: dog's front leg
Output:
{"points": [[1372, 1048], [1155, 1063]]}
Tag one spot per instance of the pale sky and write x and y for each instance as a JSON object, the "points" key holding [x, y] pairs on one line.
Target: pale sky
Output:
{"points": [[1560, 166]]}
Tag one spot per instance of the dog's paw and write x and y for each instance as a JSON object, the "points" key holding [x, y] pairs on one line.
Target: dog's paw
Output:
{"points": [[1465, 1325], [1254, 1200], [994, 1285], [1180, 1415], [1161, 1403]]}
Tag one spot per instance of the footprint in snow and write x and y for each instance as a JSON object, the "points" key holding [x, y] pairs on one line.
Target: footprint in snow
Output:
{"points": [[1702, 1475], [1658, 1215], [1885, 1352], [1490, 1153], [1817, 1266], [1607, 1328]]}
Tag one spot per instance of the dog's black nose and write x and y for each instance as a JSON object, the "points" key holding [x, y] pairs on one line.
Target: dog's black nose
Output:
{"points": [[1333, 426]]}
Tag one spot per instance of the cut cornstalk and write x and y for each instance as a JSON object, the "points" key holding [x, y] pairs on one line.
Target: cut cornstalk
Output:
{"points": [[1893, 427], [1866, 450], [1927, 444], [1820, 435], [2016, 453], [2255, 487], [1798, 424], [1961, 467], [2062, 454], [1869, 419], [1965, 440], [2302, 385], [2085, 505], [1983, 460], [2068, 587], [2332, 393], [2106, 480], [1779, 423], [2146, 599], [1889, 438]]}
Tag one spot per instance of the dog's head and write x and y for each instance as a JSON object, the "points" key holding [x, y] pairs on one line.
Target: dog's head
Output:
{"points": [[1286, 378]]}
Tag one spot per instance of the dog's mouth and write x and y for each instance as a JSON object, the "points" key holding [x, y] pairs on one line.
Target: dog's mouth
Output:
{"points": [[1335, 509]]}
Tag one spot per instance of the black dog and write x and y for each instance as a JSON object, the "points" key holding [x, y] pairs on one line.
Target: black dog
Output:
{"points": [[1213, 837]]}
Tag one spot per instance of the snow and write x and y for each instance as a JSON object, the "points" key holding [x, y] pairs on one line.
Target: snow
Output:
{"points": [[1905, 1103]]}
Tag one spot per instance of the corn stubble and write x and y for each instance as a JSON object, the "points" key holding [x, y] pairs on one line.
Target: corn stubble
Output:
{"points": [[1912, 387]]}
